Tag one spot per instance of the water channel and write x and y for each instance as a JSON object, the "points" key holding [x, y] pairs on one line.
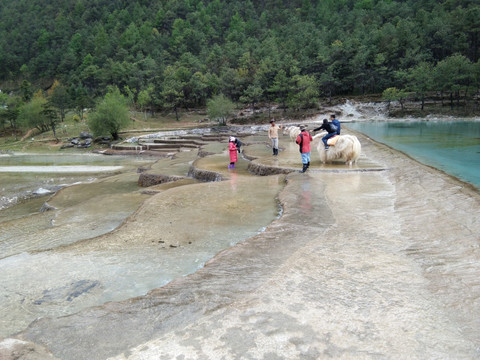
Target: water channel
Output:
{"points": [[451, 146]]}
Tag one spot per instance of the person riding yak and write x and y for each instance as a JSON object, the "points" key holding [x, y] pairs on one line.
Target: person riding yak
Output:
{"points": [[330, 128]]}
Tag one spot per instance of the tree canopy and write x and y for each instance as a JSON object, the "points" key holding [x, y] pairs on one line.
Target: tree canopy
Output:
{"points": [[110, 116], [219, 108], [182, 52]]}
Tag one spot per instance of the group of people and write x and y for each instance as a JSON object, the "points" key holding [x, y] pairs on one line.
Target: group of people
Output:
{"points": [[234, 144], [332, 128], [303, 140]]}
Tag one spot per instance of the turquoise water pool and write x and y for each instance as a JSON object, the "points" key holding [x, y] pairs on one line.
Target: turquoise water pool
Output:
{"points": [[451, 146]]}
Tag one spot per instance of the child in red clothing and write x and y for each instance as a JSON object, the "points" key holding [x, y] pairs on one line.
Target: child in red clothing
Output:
{"points": [[232, 148]]}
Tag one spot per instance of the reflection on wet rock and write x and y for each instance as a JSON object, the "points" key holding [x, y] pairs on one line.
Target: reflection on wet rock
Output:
{"points": [[67, 292], [47, 207], [204, 175]]}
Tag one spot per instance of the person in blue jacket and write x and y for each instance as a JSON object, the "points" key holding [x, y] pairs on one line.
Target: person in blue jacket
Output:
{"points": [[335, 122]]}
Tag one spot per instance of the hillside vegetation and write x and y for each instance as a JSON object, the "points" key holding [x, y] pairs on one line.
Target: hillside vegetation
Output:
{"points": [[180, 53]]}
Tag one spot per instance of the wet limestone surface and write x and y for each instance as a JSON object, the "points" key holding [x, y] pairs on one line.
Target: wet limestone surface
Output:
{"points": [[361, 264], [36, 282], [167, 170], [215, 147], [80, 211], [173, 233], [178, 165]]}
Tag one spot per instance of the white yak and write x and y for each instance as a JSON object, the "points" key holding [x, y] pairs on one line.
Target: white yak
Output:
{"points": [[293, 131], [347, 148]]}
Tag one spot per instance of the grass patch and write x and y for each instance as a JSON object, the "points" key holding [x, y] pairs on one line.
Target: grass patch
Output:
{"points": [[72, 127], [165, 121]]}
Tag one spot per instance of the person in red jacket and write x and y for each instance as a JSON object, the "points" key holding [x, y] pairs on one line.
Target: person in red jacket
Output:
{"points": [[232, 148], [303, 140]]}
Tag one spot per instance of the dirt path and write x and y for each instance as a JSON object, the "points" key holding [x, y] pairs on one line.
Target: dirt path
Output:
{"points": [[27, 135]]}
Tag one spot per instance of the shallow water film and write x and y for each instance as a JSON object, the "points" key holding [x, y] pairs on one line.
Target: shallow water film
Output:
{"points": [[343, 261], [24, 176], [73, 272], [452, 146]]}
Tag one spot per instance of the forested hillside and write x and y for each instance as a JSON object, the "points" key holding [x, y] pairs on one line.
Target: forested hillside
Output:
{"points": [[163, 54]]}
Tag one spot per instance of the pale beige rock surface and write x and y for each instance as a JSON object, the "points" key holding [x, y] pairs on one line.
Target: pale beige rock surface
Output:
{"points": [[362, 264]]}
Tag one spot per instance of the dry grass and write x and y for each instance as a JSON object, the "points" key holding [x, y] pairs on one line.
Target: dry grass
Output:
{"points": [[69, 129]]}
